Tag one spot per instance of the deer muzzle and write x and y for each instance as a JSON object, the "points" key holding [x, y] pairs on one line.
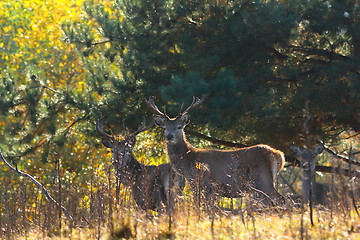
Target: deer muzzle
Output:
{"points": [[170, 138]]}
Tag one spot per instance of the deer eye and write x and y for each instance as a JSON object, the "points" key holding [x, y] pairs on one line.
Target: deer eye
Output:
{"points": [[179, 127]]}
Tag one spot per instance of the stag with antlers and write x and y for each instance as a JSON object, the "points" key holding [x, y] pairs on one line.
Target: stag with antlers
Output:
{"points": [[153, 187], [227, 173]]}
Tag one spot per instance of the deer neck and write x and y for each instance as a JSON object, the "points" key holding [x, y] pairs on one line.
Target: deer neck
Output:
{"points": [[129, 172], [134, 167], [179, 153], [308, 182]]}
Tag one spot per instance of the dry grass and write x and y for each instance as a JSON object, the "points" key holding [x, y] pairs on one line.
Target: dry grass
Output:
{"points": [[109, 209], [191, 223]]}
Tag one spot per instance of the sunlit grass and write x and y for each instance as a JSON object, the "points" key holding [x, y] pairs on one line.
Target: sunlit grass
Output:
{"points": [[190, 222]]}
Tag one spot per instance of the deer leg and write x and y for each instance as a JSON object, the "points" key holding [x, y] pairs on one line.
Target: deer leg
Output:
{"points": [[209, 194], [263, 182], [168, 195], [160, 201], [195, 187]]}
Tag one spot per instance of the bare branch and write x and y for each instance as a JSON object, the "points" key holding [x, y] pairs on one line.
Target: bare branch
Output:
{"points": [[52, 90], [216, 141], [91, 43], [339, 171], [325, 169], [45, 192], [343, 158]]}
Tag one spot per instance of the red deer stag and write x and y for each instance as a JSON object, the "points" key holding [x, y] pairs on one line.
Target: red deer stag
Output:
{"points": [[153, 187], [226, 173]]}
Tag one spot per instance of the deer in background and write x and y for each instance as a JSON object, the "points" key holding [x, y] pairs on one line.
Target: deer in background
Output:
{"points": [[153, 187], [226, 173], [307, 157]]}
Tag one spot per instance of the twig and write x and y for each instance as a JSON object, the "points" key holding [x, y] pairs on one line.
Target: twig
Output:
{"points": [[52, 90], [45, 192]]}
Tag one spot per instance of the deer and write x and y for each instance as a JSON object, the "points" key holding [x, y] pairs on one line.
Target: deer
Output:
{"points": [[224, 173], [319, 193], [153, 187], [307, 158]]}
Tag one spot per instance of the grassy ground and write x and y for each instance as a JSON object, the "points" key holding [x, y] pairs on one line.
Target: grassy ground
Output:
{"points": [[191, 223]]}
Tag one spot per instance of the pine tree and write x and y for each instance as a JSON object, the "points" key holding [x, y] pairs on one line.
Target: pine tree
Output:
{"points": [[257, 63]]}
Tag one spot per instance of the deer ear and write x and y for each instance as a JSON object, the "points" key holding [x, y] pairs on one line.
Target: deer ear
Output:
{"points": [[159, 120], [296, 150], [185, 119], [107, 143], [318, 149]]}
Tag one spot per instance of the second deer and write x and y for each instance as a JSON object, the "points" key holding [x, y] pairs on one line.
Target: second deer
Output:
{"points": [[153, 187]]}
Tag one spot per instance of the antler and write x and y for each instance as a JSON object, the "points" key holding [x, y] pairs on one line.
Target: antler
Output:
{"points": [[99, 127], [143, 127], [196, 102], [152, 106]]}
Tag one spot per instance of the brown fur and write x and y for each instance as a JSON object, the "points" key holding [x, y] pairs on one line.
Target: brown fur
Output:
{"points": [[225, 173]]}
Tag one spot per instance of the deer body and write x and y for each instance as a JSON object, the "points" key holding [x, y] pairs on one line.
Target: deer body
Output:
{"points": [[224, 173], [229, 172], [153, 187]]}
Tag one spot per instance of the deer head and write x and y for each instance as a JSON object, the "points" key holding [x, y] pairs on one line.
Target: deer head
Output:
{"points": [[307, 158], [173, 127], [121, 150]]}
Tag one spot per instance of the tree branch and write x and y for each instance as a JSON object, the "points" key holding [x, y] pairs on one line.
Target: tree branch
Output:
{"points": [[216, 141], [339, 171], [321, 52], [343, 158], [45, 192]]}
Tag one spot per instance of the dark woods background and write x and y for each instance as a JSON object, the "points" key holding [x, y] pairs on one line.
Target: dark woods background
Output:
{"points": [[256, 62]]}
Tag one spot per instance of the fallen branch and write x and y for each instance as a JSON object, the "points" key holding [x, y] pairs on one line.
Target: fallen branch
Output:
{"points": [[45, 192]]}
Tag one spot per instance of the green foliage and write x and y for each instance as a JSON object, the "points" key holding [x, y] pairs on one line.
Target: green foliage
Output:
{"points": [[256, 62]]}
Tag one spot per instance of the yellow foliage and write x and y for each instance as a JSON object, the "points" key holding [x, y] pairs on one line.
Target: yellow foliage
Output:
{"points": [[32, 35]]}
